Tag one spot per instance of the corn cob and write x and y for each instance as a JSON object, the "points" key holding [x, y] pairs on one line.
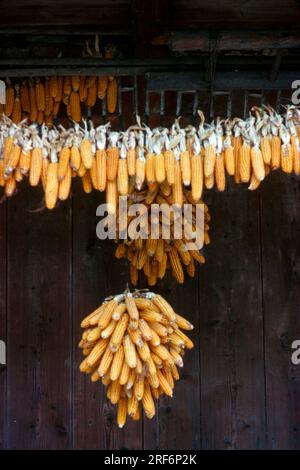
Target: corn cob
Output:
{"points": [[245, 162], [112, 95], [51, 192], [220, 172]]}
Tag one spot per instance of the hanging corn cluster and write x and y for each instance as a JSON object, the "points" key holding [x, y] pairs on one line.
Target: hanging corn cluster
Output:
{"points": [[41, 99], [123, 162], [155, 254], [134, 344]]}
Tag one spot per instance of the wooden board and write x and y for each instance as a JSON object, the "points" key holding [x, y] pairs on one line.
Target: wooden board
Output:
{"points": [[3, 323], [39, 361], [281, 296]]}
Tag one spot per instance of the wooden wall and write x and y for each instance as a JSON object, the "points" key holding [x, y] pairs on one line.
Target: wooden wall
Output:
{"points": [[238, 388]]}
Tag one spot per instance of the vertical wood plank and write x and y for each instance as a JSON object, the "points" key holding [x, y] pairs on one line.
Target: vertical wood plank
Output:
{"points": [[179, 417], [97, 274], [231, 325], [3, 430], [39, 333], [281, 286]]}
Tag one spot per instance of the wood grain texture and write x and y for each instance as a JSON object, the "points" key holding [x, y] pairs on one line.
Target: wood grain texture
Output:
{"points": [[281, 292], [39, 325], [3, 323], [231, 326]]}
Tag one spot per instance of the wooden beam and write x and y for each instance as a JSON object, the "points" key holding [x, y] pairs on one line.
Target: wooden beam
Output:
{"points": [[224, 80], [232, 40]]}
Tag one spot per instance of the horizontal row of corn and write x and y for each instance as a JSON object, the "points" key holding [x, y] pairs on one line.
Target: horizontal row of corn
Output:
{"points": [[41, 99], [123, 162], [153, 256], [134, 344]]}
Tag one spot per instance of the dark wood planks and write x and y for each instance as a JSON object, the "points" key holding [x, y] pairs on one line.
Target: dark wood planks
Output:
{"points": [[280, 217], [231, 326], [3, 320], [39, 325]]}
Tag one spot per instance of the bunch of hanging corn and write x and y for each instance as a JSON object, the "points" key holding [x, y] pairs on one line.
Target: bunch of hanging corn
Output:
{"points": [[40, 100], [172, 246], [134, 344]]}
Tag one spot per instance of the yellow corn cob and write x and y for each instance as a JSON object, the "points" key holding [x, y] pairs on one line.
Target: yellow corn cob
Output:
{"points": [[101, 169], [45, 164], [131, 158], [63, 163], [113, 155], [257, 163], [91, 95], [35, 166], [183, 323], [13, 159], [133, 405], [136, 337], [164, 307], [254, 183], [120, 251], [145, 330], [93, 174], [60, 87], [105, 362], [10, 185], [51, 192], [164, 384], [124, 374], [196, 177], [287, 158], [75, 158], [117, 336], [117, 364], [102, 86], [265, 147], [122, 412], [2, 180], [190, 268], [86, 153], [176, 265], [177, 187], [123, 177], [131, 379], [220, 172], [185, 165], [107, 313], [65, 185], [67, 86], [275, 152], [118, 311], [95, 314], [112, 95], [75, 107], [187, 342], [159, 166], [82, 89], [229, 160], [144, 352], [245, 163], [296, 154], [48, 100], [170, 166], [209, 160], [150, 169], [131, 307], [130, 352], [237, 143], [111, 196], [75, 80], [148, 402], [97, 351], [9, 101], [87, 182], [115, 392], [140, 172], [142, 303], [151, 315], [160, 329], [53, 86]]}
